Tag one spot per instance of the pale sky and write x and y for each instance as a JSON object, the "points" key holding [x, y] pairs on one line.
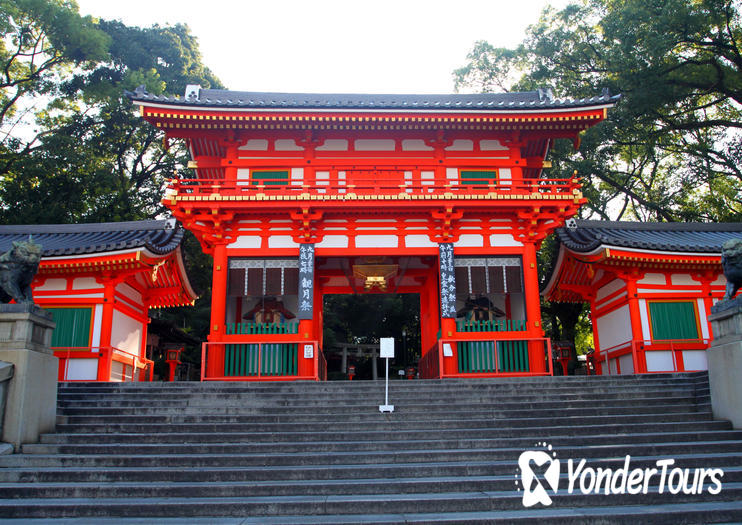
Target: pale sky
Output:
{"points": [[334, 46]]}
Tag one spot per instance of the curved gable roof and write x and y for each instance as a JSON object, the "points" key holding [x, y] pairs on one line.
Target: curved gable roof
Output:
{"points": [[683, 237], [159, 237]]}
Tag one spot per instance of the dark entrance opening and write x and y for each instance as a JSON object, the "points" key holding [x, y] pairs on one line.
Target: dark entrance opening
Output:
{"points": [[356, 322]]}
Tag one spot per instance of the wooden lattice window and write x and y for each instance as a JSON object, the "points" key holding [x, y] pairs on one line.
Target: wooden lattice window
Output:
{"points": [[270, 177], [673, 320], [73, 327]]}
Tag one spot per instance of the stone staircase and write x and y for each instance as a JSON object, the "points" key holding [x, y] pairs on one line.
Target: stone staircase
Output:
{"points": [[322, 453]]}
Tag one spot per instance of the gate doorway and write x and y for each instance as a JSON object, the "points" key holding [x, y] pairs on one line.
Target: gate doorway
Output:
{"points": [[353, 325]]}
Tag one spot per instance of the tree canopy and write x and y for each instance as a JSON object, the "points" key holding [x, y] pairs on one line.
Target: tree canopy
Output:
{"points": [[671, 149]]}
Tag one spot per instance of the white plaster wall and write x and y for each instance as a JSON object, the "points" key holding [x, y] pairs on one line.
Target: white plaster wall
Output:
{"points": [[126, 333], [695, 360], [287, 145], [120, 372], [82, 369], [720, 281], [419, 241], [333, 241], [377, 241], [644, 316], [461, 145], [614, 328], [282, 241], [452, 173], [683, 279], [703, 320], [297, 176], [130, 293], [469, 241], [86, 283], [627, 364], [613, 366], [608, 289], [415, 145], [374, 145], [246, 241], [505, 176], [334, 145], [255, 144], [97, 323], [659, 361], [503, 240], [491, 145], [52, 285], [652, 278]]}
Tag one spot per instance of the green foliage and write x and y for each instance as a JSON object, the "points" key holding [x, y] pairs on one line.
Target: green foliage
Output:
{"points": [[671, 149]]}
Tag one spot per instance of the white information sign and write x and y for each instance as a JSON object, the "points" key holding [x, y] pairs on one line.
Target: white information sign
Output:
{"points": [[308, 351], [386, 347], [447, 351]]}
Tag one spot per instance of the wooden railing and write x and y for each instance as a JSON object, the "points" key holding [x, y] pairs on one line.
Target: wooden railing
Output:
{"points": [[495, 325], [638, 349], [371, 182], [261, 360], [142, 368], [487, 357]]}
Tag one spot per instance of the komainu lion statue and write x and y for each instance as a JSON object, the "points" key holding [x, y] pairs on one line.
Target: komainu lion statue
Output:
{"points": [[731, 263], [17, 269]]}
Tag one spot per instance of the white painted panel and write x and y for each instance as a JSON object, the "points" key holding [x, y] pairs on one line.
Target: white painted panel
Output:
{"points": [[614, 328], [297, 176], [720, 280], [652, 278], [256, 144], [287, 145], [659, 361], [644, 316], [452, 173], [334, 145], [695, 360], [504, 175], [85, 283], [73, 296], [503, 239], [470, 241], [243, 174], [118, 371], [282, 241], [129, 292], [627, 364], [246, 241], [82, 369], [415, 145], [126, 333], [419, 241], [704, 322], [376, 241], [461, 145], [333, 241], [608, 289], [374, 145], [491, 145], [97, 323], [683, 279], [613, 366], [52, 285]]}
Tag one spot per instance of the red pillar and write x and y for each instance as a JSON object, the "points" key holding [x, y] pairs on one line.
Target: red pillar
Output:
{"points": [[536, 358], [636, 321], [105, 359], [215, 353]]}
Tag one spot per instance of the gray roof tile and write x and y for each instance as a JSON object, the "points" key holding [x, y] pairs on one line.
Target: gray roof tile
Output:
{"points": [[159, 237], [684, 237], [529, 100]]}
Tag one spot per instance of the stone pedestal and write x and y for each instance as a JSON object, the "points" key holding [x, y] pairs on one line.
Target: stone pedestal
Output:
{"points": [[31, 405], [725, 361]]}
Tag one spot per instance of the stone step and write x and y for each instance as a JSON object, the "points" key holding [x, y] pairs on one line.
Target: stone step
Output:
{"points": [[210, 473], [381, 421], [408, 455], [478, 501], [307, 487], [493, 431], [216, 447]]}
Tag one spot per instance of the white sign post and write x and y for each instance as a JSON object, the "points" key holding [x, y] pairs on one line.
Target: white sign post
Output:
{"points": [[386, 350]]}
